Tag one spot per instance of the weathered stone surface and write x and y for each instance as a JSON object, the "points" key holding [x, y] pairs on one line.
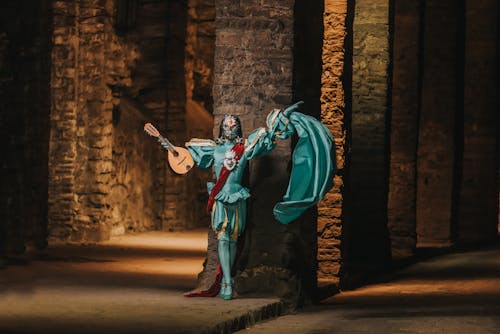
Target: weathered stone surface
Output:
{"points": [[88, 57], [478, 198], [251, 76], [333, 104], [24, 124], [366, 237], [437, 127], [401, 208]]}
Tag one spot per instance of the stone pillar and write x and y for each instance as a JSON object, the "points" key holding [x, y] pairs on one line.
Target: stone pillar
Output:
{"points": [[441, 83], [478, 199], [86, 58], [319, 227], [366, 236], [333, 115], [404, 127], [24, 124], [253, 74], [81, 136], [63, 133]]}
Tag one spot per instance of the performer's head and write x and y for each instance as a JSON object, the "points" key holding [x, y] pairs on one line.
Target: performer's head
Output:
{"points": [[230, 128]]}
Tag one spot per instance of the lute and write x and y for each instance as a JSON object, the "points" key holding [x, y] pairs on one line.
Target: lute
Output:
{"points": [[179, 158]]}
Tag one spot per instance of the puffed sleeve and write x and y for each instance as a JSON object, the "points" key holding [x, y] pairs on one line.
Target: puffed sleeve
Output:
{"points": [[259, 143], [263, 140], [202, 151]]}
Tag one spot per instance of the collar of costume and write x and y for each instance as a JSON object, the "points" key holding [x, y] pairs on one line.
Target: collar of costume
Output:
{"points": [[238, 150]]}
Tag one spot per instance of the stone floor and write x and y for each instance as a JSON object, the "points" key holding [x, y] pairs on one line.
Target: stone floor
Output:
{"points": [[133, 284], [455, 293]]}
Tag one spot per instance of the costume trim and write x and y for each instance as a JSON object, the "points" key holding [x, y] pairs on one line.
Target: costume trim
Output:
{"points": [[200, 142], [275, 113], [213, 214], [224, 174], [234, 235], [277, 133], [256, 139], [224, 226]]}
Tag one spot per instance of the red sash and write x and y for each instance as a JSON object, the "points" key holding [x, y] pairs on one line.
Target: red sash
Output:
{"points": [[238, 149]]}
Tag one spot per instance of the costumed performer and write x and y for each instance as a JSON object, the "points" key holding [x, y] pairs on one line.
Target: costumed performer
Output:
{"points": [[312, 175]]}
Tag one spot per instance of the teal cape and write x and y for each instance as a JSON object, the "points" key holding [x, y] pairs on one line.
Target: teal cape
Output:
{"points": [[313, 162]]}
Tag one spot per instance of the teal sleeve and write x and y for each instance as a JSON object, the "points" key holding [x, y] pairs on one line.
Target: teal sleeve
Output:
{"points": [[263, 140], [259, 143], [203, 156]]}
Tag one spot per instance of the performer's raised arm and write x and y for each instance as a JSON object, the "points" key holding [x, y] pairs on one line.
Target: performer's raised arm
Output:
{"points": [[263, 140]]}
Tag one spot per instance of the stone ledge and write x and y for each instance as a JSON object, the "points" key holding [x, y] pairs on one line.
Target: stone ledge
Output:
{"points": [[249, 318]]}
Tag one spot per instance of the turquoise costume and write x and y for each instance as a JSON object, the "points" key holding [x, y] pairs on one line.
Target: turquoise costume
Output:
{"points": [[312, 175]]}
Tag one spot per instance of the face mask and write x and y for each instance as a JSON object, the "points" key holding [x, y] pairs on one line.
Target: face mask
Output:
{"points": [[230, 127]]}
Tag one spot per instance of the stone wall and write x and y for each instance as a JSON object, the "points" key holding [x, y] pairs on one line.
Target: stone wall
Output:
{"points": [[253, 74], [132, 196], [333, 115], [404, 127], [366, 240], [150, 93], [478, 200], [87, 58], [319, 231], [442, 82], [199, 64], [24, 124], [116, 65], [177, 214]]}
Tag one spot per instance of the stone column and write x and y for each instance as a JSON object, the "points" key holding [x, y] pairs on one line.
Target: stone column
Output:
{"points": [[404, 127], [335, 76], [63, 134], [366, 236], [24, 124], [478, 199], [441, 83], [253, 74], [86, 58]]}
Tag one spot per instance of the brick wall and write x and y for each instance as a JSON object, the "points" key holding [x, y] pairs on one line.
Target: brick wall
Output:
{"points": [[24, 124], [365, 229], [152, 82], [404, 127], [441, 84], [333, 115], [478, 199], [318, 228], [253, 74], [87, 56], [107, 177], [177, 214]]}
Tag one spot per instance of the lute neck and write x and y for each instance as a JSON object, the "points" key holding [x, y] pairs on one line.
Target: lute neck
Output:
{"points": [[168, 145]]}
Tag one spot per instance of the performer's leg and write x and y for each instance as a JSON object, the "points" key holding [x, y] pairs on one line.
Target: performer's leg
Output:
{"points": [[225, 262], [233, 248]]}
